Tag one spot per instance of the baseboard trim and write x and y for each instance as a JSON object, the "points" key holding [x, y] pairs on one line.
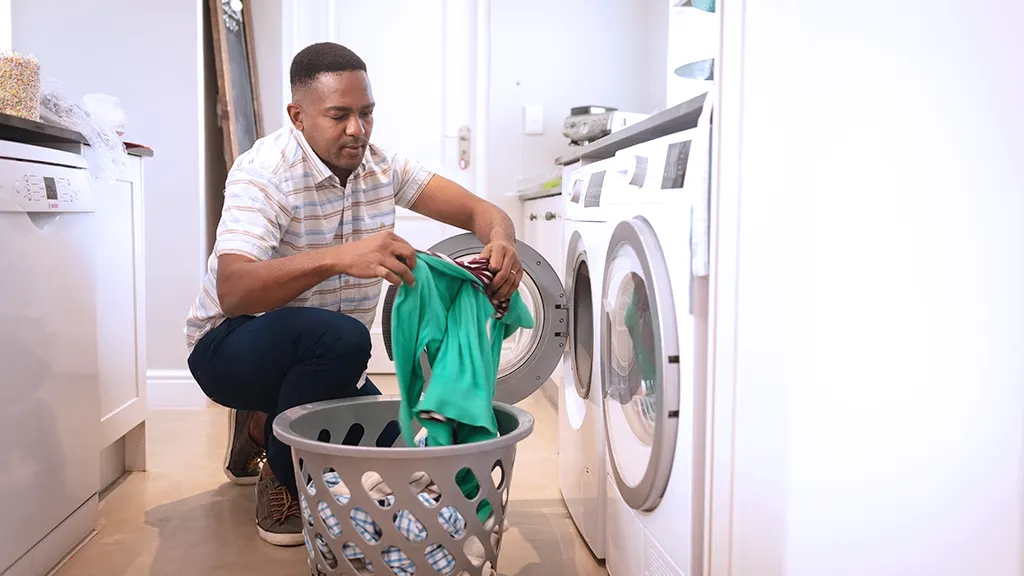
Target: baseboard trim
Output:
{"points": [[174, 389]]}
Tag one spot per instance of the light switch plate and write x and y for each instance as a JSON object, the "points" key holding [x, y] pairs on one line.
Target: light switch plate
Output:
{"points": [[533, 119]]}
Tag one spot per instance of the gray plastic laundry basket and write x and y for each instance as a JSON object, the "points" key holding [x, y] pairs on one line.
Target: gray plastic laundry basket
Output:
{"points": [[417, 520]]}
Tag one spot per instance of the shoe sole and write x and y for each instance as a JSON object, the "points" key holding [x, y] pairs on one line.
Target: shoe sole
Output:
{"points": [[240, 480], [284, 540]]}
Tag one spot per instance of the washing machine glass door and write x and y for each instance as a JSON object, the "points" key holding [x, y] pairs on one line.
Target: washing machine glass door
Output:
{"points": [[528, 357], [640, 348], [581, 316]]}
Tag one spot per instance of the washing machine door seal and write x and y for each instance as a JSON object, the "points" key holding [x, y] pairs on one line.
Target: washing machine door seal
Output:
{"points": [[530, 356]]}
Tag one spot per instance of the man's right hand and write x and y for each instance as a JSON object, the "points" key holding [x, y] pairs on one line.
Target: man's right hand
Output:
{"points": [[383, 255]]}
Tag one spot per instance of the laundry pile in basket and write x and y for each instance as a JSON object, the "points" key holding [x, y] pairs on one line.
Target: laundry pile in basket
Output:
{"points": [[439, 558]]}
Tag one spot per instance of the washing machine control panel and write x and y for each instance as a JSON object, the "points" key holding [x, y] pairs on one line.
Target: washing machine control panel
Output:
{"points": [[38, 187]]}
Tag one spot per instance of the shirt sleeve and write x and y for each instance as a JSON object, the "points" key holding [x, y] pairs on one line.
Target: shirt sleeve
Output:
{"points": [[410, 178], [254, 218]]}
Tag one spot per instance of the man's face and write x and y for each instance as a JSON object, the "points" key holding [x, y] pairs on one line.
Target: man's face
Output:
{"points": [[335, 114]]}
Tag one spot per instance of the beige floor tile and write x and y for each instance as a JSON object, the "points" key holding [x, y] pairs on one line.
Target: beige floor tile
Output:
{"points": [[182, 517]]}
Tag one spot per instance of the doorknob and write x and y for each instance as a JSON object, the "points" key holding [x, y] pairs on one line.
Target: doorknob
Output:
{"points": [[549, 216]]}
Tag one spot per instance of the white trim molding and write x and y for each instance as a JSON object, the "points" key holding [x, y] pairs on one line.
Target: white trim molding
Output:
{"points": [[174, 389]]}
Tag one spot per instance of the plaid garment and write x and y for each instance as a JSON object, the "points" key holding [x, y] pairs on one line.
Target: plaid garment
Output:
{"points": [[405, 522], [478, 268]]}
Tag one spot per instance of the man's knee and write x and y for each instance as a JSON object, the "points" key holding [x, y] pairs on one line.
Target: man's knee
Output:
{"points": [[340, 335]]}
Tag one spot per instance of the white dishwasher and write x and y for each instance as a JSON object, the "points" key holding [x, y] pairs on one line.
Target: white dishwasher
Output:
{"points": [[49, 390]]}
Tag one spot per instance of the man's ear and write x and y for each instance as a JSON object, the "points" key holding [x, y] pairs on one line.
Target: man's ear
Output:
{"points": [[295, 114]]}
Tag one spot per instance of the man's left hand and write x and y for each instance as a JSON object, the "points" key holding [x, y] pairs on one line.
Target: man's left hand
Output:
{"points": [[504, 264]]}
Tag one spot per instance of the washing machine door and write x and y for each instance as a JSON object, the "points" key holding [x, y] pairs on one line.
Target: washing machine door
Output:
{"points": [[640, 367], [530, 356], [582, 339]]}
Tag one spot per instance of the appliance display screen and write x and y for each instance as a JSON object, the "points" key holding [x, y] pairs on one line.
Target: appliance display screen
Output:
{"points": [[51, 188]]}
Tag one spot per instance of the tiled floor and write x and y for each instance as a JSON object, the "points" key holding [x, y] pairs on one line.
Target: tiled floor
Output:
{"points": [[183, 517]]}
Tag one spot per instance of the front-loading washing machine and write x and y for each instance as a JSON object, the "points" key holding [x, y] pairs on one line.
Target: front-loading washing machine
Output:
{"points": [[654, 355], [581, 453]]}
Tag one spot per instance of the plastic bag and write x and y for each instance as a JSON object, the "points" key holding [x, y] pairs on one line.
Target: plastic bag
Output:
{"points": [[58, 106], [106, 109]]}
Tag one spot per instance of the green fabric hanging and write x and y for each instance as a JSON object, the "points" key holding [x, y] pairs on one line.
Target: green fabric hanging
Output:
{"points": [[447, 314]]}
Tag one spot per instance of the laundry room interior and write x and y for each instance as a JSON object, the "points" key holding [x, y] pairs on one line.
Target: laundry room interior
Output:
{"points": [[626, 287]]}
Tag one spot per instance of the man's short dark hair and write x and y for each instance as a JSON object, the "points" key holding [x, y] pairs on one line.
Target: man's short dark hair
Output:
{"points": [[323, 58]]}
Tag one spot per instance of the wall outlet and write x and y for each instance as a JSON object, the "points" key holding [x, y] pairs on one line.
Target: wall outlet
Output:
{"points": [[533, 119]]}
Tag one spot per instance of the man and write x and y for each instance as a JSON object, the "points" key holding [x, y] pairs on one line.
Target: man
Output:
{"points": [[302, 248]]}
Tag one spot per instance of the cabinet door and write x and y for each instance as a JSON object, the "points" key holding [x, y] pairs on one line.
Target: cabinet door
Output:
{"points": [[121, 328], [551, 233]]}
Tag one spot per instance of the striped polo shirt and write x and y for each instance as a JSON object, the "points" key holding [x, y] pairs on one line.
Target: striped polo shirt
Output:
{"points": [[281, 199]]}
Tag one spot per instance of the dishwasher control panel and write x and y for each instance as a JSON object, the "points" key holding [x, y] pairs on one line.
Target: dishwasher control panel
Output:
{"points": [[28, 186]]}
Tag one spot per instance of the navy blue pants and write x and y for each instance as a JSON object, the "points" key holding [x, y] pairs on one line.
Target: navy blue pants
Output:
{"points": [[282, 359]]}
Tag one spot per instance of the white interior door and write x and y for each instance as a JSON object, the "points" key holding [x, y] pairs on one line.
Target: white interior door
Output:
{"points": [[424, 95]]}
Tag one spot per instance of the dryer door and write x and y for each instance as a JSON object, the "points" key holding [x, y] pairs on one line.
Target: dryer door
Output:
{"points": [[640, 351], [528, 357]]}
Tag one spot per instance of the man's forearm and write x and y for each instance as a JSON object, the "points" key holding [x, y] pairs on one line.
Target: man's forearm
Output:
{"points": [[245, 286], [492, 224]]}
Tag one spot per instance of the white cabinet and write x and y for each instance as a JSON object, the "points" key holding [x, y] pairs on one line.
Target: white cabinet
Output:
{"points": [[122, 322], [543, 228]]}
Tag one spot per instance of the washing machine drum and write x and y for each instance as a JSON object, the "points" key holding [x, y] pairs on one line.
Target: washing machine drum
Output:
{"points": [[528, 357]]}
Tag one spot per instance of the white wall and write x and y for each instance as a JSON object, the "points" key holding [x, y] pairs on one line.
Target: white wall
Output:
{"points": [[878, 370], [149, 55], [564, 54], [5, 25]]}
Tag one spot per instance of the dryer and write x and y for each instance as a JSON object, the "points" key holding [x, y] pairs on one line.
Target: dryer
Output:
{"points": [[581, 449], [654, 348]]}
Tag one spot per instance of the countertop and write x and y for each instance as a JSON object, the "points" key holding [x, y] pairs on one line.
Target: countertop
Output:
{"points": [[539, 194], [15, 129], [676, 119]]}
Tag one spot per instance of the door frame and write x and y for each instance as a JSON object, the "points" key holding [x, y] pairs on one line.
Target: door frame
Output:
{"points": [[466, 100], [723, 309]]}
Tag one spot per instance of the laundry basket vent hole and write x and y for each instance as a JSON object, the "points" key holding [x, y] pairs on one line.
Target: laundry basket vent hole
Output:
{"points": [[365, 525], [308, 481], [328, 518], [354, 435], [324, 436], [468, 484], [335, 485], [398, 562], [378, 490], [387, 437], [424, 488], [504, 498], [474, 551], [440, 559], [325, 552], [485, 512], [498, 475], [410, 527], [307, 516], [356, 558], [453, 520]]}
